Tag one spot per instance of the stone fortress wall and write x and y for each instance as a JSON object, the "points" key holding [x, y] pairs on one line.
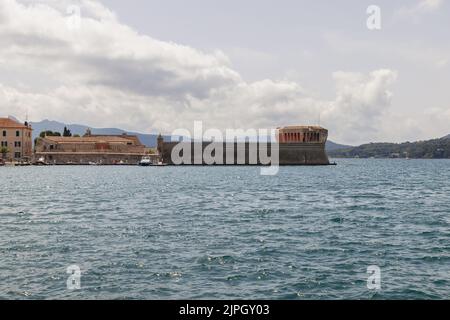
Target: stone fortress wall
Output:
{"points": [[98, 149], [299, 145]]}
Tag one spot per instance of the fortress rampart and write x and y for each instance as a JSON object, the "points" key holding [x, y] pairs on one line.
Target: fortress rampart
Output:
{"points": [[301, 145]]}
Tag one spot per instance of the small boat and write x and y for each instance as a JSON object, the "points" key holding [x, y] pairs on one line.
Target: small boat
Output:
{"points": [[40, 162], [23, 164], [146, 162]]}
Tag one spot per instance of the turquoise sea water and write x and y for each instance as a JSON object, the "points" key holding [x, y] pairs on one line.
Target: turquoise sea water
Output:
{"points": [[227, 232]]}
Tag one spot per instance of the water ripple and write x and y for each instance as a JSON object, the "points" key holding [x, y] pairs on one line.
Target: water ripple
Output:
{"points": [[227, 233]]}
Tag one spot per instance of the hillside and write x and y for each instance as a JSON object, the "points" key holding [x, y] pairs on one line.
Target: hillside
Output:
{"points": [[431, 149], [331, 146]]}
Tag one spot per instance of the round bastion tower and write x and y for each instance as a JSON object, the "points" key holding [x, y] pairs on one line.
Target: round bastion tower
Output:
{"points": [[302, 134]]}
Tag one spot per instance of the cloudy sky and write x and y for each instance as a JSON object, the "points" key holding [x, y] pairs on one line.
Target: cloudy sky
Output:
{"points": [[155, 66]]}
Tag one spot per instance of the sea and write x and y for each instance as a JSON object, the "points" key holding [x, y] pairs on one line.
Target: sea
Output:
{"points": [[363, 229]]}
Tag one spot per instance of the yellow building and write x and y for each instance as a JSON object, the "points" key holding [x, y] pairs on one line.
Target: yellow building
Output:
{"points": [[16, 139]]}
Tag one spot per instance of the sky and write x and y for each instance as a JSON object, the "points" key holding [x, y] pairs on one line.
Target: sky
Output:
{"points": [[157, 66]]}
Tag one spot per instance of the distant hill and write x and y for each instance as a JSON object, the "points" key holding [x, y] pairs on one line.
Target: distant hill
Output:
{"points": [[147, 139], [331, 146], [430, 149]]}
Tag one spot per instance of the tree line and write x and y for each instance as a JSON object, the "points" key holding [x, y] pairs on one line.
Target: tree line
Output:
{"points": [[430, 149]]}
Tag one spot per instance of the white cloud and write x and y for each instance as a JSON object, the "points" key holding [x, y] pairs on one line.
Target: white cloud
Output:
{"points": [[107, 74], [361, 103], [423, 7], [430, 5], [417, 53]]}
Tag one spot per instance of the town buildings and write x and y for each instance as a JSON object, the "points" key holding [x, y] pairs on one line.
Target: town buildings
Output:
{"points": [[296, 145], [15, 140], [91, 149]]}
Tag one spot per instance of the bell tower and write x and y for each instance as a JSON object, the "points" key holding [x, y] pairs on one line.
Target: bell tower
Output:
{"points": [[160, 147]]}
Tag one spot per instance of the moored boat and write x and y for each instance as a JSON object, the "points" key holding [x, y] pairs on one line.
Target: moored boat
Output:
{"points": [[145, 161], [40, 162], [161, 164], [23, 164]]}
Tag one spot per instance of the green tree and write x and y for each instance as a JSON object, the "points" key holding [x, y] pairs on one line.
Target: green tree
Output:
{"points": [[4, 151], [49, 133], [67, 132]]}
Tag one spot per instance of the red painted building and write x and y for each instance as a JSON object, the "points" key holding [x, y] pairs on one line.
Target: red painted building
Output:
{"points": [[302, 134]]}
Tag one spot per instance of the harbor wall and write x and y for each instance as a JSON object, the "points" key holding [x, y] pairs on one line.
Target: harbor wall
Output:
{"points": [[77, 158], [289, 153]]}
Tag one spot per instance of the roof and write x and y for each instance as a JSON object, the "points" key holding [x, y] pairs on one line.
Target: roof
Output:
{"points": [[10, 123], [91, 139], [301, 127]]}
